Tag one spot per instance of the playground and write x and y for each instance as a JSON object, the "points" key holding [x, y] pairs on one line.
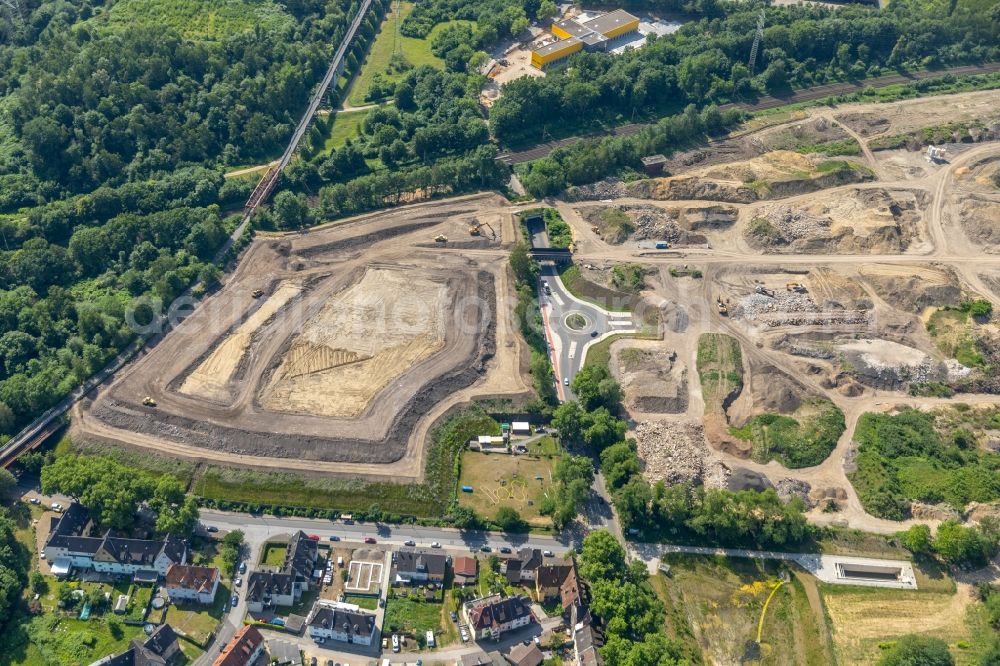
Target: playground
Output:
{"points": [[498, 480]]}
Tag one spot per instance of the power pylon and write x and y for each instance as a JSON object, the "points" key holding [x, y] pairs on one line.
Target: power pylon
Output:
{"points": [[756, 40]]}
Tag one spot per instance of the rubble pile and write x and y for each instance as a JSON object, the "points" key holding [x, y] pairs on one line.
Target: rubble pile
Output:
{"points": [[654, 223], [787, 308], [609, 188], [794, 223], [788, 489], [675, 451]]}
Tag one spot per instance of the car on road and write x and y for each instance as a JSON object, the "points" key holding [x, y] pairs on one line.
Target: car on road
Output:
{"points": [[236, 600], [243, 567], [409, 542], [505, 550], [370, 540], [548, 553], [594, 334], [334, 537], [485, 549], [212, 529], [435, 544], [314, 537], [565, 381]]}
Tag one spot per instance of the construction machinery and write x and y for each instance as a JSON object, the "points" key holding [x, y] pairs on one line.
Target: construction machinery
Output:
{"points": [[149, 402], [257, 293], [723, 308], [764, 291], [475, 228], [796, 287], [440, 238]]}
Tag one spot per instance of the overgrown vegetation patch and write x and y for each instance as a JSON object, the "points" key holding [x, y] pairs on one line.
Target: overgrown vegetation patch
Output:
{"points": [[931, 457], [720, 369], [802, 440]]}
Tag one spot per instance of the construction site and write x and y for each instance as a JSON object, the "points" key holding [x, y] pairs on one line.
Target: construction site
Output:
{"points": [[805, 271]]}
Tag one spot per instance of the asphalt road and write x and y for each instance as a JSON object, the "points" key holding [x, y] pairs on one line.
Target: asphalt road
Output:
{"points": [[767, 102], [569, 346]]}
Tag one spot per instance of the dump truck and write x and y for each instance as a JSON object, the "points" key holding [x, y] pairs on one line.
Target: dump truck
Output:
{"points": [[149, 402]]}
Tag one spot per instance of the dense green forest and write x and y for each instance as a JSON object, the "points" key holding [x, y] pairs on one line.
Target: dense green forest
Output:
{"points": [[111, 141]]}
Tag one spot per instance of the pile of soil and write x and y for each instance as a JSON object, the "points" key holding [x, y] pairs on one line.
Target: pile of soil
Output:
{"points": [[673, 451], [653, 380]]}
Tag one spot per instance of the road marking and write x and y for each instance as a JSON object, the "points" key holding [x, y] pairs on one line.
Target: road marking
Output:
{"points": [[557, 299], [621, 323], [572, 349]]}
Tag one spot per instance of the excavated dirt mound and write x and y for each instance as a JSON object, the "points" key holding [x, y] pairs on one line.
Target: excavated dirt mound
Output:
{"points": [[676, 225], [874, 220], [653, 380], [912, 288], [672, 451]]}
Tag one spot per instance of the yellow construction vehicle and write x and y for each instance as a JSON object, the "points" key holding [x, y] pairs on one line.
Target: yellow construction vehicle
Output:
{"points": [[475, 228], [257, 293], [440, 238], [723, 308], [149, 402], [796, 287]]}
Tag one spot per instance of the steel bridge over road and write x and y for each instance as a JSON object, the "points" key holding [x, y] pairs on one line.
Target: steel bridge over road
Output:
{"points": [[45, 425]]}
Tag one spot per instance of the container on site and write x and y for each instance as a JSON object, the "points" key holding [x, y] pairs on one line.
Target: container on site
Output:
{"points": [[466, 489], [662, 245]]}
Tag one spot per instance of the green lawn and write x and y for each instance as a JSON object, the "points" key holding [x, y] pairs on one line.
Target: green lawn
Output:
{"points": [[200, 19], [416, 51], [346, 125], [412, 615], [546, 446], [368, 603], [196, 620], [274, 554]]}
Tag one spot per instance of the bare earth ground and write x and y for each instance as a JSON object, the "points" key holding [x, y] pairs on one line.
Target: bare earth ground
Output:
{"points": [[875, 248]]}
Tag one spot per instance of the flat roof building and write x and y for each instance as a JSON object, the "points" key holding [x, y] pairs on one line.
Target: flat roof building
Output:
{"points": [[594, 34]]}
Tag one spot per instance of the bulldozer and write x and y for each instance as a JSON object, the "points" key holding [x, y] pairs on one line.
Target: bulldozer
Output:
{"points": [[149, 402], [440, 238], [257, 293]]}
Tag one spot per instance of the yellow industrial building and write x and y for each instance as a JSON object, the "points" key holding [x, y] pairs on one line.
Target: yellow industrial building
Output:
{"points": [[595, 34]]}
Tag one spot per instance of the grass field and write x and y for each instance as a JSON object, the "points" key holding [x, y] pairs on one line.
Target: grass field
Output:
{"points": [[198, 621], [274, 554], [346, 125], [585, 290], [405, 614], [203, 19], [368, 603], [720, 368], [804, 439], [863, 619], [714, 605], [546, 446], [416, 51], [486, 471]]}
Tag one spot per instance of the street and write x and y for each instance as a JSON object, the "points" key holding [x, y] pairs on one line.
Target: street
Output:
{"points": [[572, 326]]}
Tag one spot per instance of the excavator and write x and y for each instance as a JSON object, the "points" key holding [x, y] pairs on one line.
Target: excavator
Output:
{"points": [[149, 402], [475, 228]]}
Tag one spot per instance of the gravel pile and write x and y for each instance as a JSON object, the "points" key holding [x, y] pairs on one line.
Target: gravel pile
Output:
{"points": [[674, 452], [654, 223], [755, 306], [610, 188], [793, 223]]}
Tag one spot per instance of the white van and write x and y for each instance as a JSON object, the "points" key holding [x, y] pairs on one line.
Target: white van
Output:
{"points": [[395, 643], [430, 638]]}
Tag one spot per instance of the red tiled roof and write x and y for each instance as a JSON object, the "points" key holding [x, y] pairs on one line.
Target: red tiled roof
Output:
{"points": [[238, 652]]}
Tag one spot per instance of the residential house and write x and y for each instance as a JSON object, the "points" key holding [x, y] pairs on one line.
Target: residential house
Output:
{"points": [[345, 623], [419, 566], [482, 659], [549, 580], [185, 583], [160, 649], [522, 567], [493, 616], [585, 645], [283, 653], [247, 645], [525, 655], [466, 570], [300, 560], [267, 589], [74, 542]]}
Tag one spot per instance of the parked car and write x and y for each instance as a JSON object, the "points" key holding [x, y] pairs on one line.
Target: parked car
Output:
{"points": [[409, 542], [243, 568], [35, 500], [314, 537], [212, 529], [370, 540], [454, 616], [485, 548], [395, 643], [381, 603], [548, 553], [334, 537], [435, 544], [505, 550], [238, 581], [236, 600]]}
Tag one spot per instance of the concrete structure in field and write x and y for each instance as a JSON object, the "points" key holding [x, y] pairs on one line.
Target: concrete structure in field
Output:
{"points": [[185, 583], [600, 33]]}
